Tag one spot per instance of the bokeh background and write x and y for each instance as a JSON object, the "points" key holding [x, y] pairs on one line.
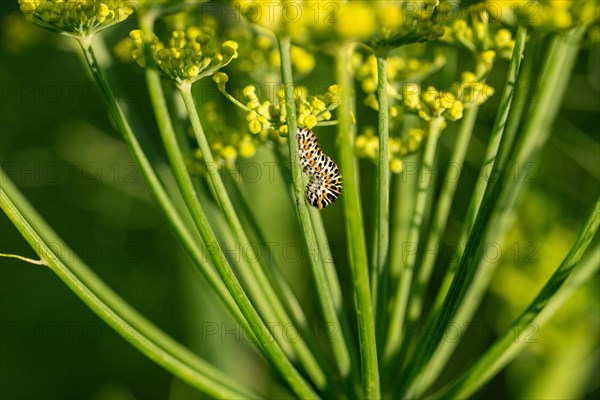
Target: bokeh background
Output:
{"points": [[58, 145]]}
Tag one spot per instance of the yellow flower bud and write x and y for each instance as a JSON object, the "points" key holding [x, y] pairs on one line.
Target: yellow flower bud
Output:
{"points": [[193, 71], [229, 153], [255, 126], [220, 78], [310, 121], [396, 165]]}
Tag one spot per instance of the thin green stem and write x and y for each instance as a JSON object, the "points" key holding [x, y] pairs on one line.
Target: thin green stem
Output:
{"points": [[232, 99], [328, 265], [536, 130], [379, 272], [340, 346], [354, 229], [26, 259], [266, 341], [261, 289], [260, 331], [281, 285], [134, 328], [432, 353], [425, 188], [569, 276], [517, 108], [442, 211], [174, 219]]}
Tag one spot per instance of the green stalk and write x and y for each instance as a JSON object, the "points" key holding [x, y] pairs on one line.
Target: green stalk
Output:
{"points": [[333, 283], [176, 222], [279, 282], [117, 313], [404, 197], [266, 341], [283, 287], [512, 124], [379, 269], [340, 347], [440, 217], [569, 276], [425, 188], [354, 230], [273, 352], [536, 130], [433, 351]]}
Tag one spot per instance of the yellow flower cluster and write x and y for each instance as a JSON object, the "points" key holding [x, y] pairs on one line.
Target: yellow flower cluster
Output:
{"points": [[485, 41], [471, 91], [189, 55], [380, 23], [79, 18], [432, 102], [545, 15], [410, 67], [268, 119], [367, 146]]}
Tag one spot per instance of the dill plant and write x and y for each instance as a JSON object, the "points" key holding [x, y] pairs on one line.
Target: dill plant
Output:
{"points": [[392, 65]]}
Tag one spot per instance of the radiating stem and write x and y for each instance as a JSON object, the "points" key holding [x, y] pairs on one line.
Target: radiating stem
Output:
{"points": [[569, 276], [425, 187], [117, 313], [442, 211], [265, 338], [430, 355], [379, 269], [340, 346], [354, 229]]}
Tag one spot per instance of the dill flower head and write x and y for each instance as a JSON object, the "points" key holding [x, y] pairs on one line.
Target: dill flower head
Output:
{"points": [[485, 41], [268, 119], [381, 24], [188, 56], [545, 15], [432, 103], [78, 18]]}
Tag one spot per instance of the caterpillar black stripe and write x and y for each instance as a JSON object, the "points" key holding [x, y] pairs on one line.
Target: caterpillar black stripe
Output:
{"points": [[325, 180]]}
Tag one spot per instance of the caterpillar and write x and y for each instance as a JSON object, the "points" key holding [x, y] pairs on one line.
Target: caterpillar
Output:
{"points": [[325, 183]]}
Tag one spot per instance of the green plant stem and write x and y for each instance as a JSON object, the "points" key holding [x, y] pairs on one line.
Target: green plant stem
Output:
{"points": [[442, 211], [433, 351], [424, 191], [328, 265], [404, 197], [25, 259], [173, 217], [134, 328], [281, 285], [259, 285], [558, 64], [354, 229], [283, 288], [340, 346], [379, 272], [516, 111], [266, 341], [176, 222], [556, 291]]}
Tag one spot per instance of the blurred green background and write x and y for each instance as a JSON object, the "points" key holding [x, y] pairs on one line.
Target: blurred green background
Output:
{"points": [[58, 145]]}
